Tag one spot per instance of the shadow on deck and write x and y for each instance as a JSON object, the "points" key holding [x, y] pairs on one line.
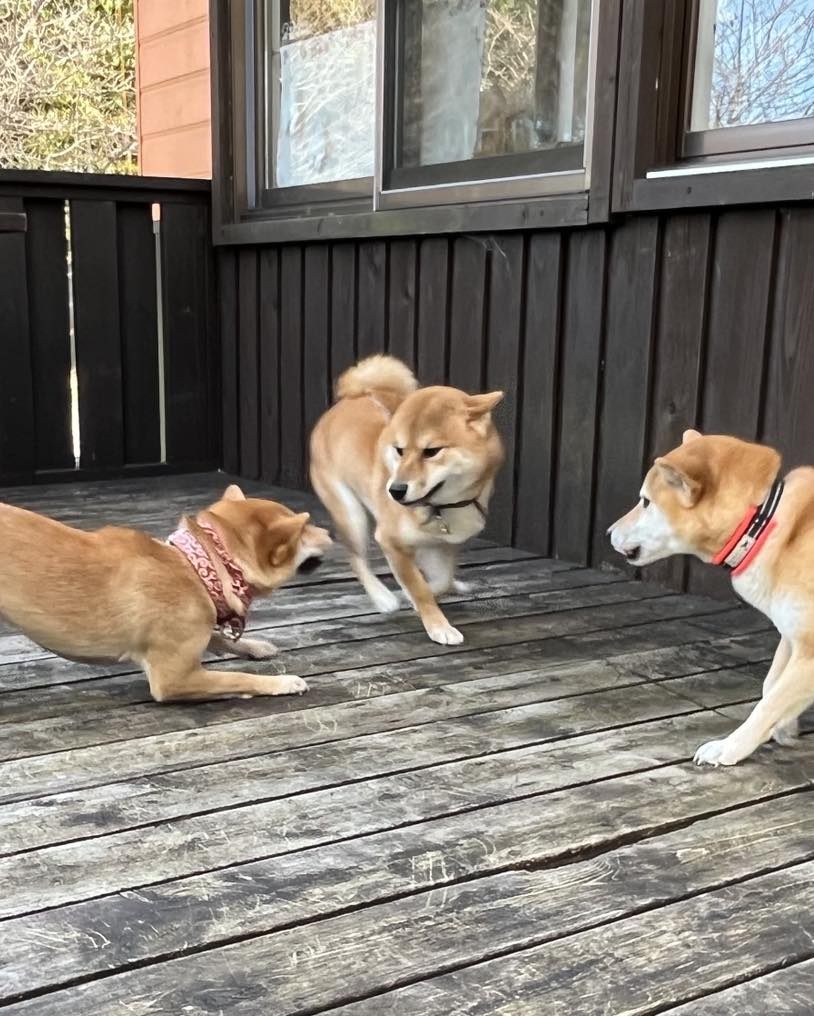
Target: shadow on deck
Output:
{"points": [[511, 826]]}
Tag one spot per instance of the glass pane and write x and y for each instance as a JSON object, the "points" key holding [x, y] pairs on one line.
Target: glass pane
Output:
{"points": [[322, 91], [492, 77], [754, 62]]}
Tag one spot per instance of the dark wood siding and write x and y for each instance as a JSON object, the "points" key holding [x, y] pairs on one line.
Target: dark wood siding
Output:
{"points": [[609, 342]]}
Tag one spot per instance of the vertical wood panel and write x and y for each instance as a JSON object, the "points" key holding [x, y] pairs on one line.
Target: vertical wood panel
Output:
{"points": [[502, 369], [270, 364], [185, 251], [372, 316], [466, 319], [579, 384], [343, 308], [738, 319], [248, 359], [47, 249], [789, 413], [16, 402], [316, 332], [679, 347], [292, 452], [401, 304], [536, 462], [622, 433], [432, 311], [98, 339], [138, 310], [227, 317]]}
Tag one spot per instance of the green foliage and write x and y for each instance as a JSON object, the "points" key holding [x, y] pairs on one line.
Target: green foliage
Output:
{"points": [[67, 85]]}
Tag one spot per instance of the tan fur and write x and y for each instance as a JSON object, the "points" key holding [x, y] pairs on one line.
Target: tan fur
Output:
{"points": [[119, 594], [354, 462], [699, 493]]}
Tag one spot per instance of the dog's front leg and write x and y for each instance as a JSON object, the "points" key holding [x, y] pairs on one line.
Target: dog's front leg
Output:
{"points": [[787, 696], [415, 586], [786, 732], [249, 649]]}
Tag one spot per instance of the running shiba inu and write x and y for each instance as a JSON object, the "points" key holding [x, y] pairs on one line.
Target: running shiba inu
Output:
{"points": [[422, 462], [724, 501], [119, 594]]}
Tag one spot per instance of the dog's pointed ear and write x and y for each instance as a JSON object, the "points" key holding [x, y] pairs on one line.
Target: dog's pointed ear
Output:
{"points": [[689, 488], [233, 493], [477, 406], [690, 435], [286, 534]]}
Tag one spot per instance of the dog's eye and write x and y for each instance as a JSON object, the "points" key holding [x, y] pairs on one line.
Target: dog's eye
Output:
{"points": [[645, 502], [430, 453], [399, 451]]}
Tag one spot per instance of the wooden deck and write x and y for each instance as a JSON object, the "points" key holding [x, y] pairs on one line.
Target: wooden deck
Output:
{"points": [[511, 826]]}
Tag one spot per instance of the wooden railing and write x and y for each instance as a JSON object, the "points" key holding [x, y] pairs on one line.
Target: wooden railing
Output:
{"points": [[109, 360]]}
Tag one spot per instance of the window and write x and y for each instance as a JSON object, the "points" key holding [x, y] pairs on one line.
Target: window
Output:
{"points": [[363, 104], [752, 83]]}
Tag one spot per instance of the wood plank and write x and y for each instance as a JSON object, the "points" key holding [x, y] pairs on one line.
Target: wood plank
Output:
{"points": [[292, 449], [139, 334], [666, 954], [518, 909], [537, 427], [343, 307], [372, 267], [185, 247], [46, 270], [503, 354], [789, 414], [190, 841], [316, 335], [679, 349], [742, 265], [468, 309], [581, 351], [401, 301], [248, 340], [785, 992], [64, 816], [433, 281], [623, 422], [270, 340], [94, 252], [226, 262]]}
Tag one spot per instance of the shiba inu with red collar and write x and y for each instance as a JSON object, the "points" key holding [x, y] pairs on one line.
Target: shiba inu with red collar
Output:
{"points": [[723, 500], [422, 462]]}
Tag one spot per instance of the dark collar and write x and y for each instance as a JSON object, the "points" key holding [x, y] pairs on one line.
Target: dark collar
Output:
{"points": [[745, 543]]}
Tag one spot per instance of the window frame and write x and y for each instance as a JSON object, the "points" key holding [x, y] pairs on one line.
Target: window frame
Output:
{"points": [[241, 213], [655, 167]]}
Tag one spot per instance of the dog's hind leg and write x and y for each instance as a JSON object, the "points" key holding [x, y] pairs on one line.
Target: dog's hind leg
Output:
{"points": [[353, 529], [438, 565]]}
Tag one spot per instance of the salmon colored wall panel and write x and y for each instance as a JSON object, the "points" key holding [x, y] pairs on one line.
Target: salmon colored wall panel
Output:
{"points": [[183, 152], [176, 103], [174, 55], [156, 16]]}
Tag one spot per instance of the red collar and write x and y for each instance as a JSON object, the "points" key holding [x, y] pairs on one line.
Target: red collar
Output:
{"points": [[230, 622], [745, 543]]}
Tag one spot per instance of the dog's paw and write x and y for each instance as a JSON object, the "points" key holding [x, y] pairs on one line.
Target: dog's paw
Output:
{"points": [[462, 588], [444, 634], [257, 649], [384, 600], [714, 753], [286, 684], [787, 734]]}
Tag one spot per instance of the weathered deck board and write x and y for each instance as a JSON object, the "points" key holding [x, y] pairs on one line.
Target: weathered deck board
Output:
{"points": [[511, 826]]}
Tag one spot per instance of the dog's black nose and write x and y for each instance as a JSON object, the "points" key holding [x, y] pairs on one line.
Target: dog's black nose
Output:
{"points": [[398, 491]]}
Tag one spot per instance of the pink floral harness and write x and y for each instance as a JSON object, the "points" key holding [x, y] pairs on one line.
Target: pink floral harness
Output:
{"points": [[230, 623]]}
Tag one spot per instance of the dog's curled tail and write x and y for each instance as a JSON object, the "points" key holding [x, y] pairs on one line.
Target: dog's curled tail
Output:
{"points": [[379, 373]]}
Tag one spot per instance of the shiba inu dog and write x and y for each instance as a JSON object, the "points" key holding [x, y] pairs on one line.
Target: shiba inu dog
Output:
{"points": [[422, 462], [119, 594], [724, 501]]}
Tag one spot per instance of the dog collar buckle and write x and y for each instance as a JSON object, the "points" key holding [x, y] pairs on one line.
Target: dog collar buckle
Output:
{"points": [[750, 535]]}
